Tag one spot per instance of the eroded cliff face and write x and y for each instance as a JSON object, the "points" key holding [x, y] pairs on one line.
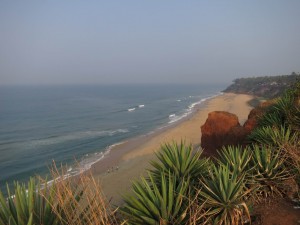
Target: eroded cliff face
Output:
{"points": [[223, 129], [255, 114]]}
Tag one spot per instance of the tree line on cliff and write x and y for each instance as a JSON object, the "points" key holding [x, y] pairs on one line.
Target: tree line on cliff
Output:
{"points": [[264, 86]]}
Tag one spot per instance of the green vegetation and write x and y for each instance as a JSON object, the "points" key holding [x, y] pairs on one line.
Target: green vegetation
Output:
{"points": [[267, 86], [25, 206], [236, 159], [64, 202], [224, 196], [181, 162], [183, 186], [269, 170], [158, 202]]}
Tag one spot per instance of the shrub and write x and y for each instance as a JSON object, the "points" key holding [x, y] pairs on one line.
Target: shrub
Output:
{"points": [[27, 206], [269, 170], [150, 203], [235, 158], [273, 136], [223, 195], [180, 161]]}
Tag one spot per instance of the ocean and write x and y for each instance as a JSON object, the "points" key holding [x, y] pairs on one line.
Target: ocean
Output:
{"points": [[39, 124]]}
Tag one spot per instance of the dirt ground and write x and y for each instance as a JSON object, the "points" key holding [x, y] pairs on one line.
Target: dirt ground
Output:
{"points": [[277, 212]]}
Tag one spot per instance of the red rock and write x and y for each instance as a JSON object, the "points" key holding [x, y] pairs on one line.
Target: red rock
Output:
{"points": [[255, 114], [221, 129]]}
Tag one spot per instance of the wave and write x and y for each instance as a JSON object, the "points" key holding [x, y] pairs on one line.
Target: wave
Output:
{"points": [[177, 118], [203, 100], [134, 108], [86, 163], [172, 115], [174, 118], [75, 136]]}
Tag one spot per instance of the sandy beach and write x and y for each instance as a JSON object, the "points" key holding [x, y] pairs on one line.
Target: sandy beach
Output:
{"points": [[129, 160]]}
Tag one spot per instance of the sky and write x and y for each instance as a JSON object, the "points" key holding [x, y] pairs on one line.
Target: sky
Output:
{"points": [[154, 41]]}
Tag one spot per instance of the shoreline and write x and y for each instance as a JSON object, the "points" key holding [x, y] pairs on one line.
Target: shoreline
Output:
{"points": [[129, 160], [85, 165], [125, 146]]}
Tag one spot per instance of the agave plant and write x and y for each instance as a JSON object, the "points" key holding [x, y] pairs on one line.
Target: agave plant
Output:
{"points": [[277, 114], [26, 206], [162, 204], [181, 161], [273, 136], [269, 169], [224, 196], [236, 158], [285, 112]]}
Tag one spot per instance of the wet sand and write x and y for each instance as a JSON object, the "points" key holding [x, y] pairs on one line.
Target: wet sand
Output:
{"points": [[128, 161]]}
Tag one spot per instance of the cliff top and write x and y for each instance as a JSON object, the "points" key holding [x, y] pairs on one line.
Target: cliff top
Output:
{"points": [[266, 86]]}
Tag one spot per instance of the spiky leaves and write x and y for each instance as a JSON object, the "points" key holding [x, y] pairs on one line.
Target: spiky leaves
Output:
{"points": [[277, 114], [269, 170], [180, 160], [285, 113], [223, 194], [27, 207], [273, 136], [236, 158], [163, 204]]}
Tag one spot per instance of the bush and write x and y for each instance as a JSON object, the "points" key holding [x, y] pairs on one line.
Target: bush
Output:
{"points": [[223, 194], [28, 205], [181, 161], [269, 170], [166, 203]]}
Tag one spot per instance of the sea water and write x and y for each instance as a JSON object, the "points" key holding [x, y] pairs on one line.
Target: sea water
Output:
{"points": [[39, 124]]}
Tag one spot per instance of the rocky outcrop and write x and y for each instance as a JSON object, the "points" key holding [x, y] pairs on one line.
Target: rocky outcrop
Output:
{"points": [[221, 129], [255, 114]]}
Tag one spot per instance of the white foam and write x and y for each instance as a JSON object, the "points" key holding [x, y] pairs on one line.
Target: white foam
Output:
{"points": [[131, 109], [141, 106], [85, 164], [177, 118], [75, 136], [174, 118]]}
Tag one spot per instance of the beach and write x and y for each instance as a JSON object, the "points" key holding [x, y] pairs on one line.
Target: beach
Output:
{"points": [[129, 160]]}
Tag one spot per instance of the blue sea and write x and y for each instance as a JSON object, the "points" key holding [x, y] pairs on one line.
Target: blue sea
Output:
{"points": [[39, 124]]}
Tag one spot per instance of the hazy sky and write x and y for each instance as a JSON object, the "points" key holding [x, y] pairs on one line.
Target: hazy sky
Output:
{"points": [[155, 41]]}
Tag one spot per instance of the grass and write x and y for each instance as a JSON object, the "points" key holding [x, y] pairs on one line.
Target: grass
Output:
{"points": [[80, 200]]}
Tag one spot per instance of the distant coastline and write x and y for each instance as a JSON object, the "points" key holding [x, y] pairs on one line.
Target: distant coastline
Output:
{"points": [[263, 86]]}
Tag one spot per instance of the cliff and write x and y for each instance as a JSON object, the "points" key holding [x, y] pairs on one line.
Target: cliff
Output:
{"points": [[223, 129], [267, 86]]}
